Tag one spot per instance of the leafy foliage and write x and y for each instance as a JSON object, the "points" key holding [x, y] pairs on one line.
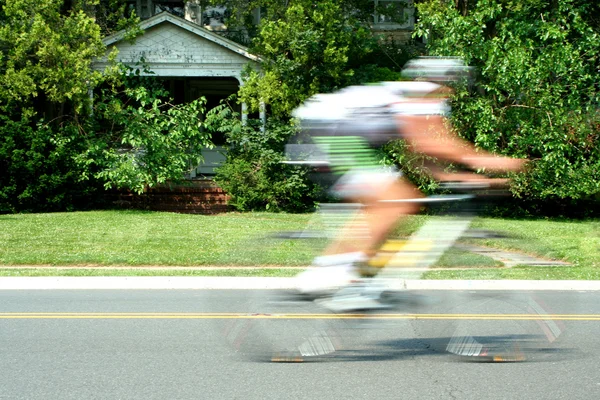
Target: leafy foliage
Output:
{"points": [[55, 145], [538, 91], [115, 15], [45, 53], [304, 52], [312, 47], [39, 172], [253, 174], [140, 139], [45, 60]]}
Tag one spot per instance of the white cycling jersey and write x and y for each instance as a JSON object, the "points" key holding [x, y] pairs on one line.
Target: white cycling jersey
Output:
{"points": [[345, 124], [383, 100]]}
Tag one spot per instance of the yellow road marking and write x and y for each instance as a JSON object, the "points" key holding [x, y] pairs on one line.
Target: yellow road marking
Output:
{"points": [[532, 317]]}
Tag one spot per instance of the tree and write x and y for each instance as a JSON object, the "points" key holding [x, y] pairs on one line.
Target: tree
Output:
{"points": [[537, 92], [304, 52], [45, 58], [113, 16], [57, 147], [137, 139], [46, 53]]}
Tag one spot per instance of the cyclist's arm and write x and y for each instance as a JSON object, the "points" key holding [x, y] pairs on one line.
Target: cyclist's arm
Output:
{"points": [[429, 134]]}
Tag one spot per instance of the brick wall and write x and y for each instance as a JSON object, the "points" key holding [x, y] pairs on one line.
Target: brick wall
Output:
{"points": [[192, 197]]}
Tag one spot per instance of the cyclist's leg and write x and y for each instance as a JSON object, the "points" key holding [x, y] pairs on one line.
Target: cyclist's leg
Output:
{"points": [[384, 217], [338, 266], [370, 189]]}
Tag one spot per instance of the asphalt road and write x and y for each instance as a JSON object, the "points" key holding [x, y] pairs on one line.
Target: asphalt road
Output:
{"points": [[193, 344]]}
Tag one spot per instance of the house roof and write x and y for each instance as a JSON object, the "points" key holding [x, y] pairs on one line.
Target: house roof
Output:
{"points": [[165, 17]]}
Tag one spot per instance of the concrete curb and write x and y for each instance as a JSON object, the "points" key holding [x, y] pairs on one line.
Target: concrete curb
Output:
{"points": [[221, 283]]}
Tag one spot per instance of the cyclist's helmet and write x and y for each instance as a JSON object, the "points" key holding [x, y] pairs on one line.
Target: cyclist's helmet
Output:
{"points": [[437, 69]]}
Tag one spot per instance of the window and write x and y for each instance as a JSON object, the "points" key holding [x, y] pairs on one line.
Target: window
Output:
{"points": [[213, 17], [393, 14], [148, 8]]}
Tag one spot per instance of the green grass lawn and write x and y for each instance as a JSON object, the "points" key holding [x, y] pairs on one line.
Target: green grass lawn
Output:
{"points": [[574, 241], [135, 238], [141, 271], [577, 242], [138, 239]]}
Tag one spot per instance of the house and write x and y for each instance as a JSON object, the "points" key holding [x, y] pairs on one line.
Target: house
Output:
{"points": [[181, 46], [192, 60]]}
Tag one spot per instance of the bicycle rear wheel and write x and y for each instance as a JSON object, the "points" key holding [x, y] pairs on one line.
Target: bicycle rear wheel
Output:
{"points": [[283, 328]]}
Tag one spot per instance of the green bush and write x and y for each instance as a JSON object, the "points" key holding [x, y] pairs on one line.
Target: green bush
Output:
{"points": [[137, 138], [39, 172], [537, 92], [253, 174]]}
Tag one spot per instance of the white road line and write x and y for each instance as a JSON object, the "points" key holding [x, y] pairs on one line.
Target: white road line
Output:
{"points": [[219, 283]]}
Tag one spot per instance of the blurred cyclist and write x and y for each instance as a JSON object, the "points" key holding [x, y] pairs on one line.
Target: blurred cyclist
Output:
{"points": [[347, 125]]}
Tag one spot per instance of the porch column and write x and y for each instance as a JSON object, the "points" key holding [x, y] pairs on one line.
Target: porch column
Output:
{"points": [[263, 116], [244, 114], [244, 105], [91, 96]]}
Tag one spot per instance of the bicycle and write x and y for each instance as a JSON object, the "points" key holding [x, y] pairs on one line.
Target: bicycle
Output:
{"points": [[289, 328]]}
